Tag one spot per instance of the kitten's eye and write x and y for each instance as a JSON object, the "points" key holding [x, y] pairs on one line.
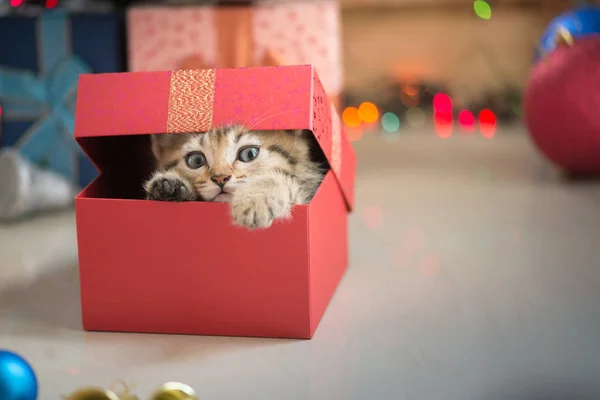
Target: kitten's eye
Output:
{"points": [[195, 160], [248, 154]]}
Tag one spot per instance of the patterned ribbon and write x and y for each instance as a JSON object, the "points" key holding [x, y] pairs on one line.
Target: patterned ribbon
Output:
{"points": [[191, 97], [48, 97]]}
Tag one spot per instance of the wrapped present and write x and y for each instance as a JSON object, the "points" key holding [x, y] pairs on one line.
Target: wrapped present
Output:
{"points": [[228, 36], [38, 83], [137, 276]]}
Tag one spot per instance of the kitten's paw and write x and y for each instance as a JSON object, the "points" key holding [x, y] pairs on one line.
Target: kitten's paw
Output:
{"points": [[169, 187], [258, 210]]}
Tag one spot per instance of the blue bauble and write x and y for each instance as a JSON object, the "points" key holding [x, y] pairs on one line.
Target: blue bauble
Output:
{"points": [[579, 23], [17, 379]]}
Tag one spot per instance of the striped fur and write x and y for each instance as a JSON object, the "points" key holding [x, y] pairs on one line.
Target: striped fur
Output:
{"points": [[259, 191]]}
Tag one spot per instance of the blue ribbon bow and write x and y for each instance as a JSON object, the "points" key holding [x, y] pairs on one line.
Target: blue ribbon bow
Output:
{"points": [[49, 96]]}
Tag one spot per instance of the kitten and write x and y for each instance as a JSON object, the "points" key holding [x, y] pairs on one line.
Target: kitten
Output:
{"points": [[261, 173]]}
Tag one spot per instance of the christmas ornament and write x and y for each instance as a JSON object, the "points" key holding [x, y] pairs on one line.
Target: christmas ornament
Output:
{"points": [[174, 391], [567, 28], [25, 188], [95, 394], [168, 391], [561, 104], [17, 379]]}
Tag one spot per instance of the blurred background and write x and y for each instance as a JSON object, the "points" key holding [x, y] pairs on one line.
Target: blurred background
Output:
{"points": [[395, 55], [473, 243]]}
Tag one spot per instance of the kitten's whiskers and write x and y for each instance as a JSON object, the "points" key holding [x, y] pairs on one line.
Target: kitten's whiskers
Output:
{"points": [[265, 117]]}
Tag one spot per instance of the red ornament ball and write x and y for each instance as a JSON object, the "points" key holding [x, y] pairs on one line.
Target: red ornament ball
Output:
{"points": [[562, 106]]}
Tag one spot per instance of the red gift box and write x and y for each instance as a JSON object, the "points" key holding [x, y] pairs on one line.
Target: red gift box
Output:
{"points": [[184, 268]]}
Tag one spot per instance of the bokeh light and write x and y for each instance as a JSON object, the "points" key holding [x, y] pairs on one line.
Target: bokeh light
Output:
{"points": [[442, 103], [442, 118], [411, 89], [373, 217], [16, 3], [466, 119], [51, 3], [487, 123], [482, 9], [368, 112], [350, 117], [442, 114], [390, 122], [415, 117], [443, 129]]}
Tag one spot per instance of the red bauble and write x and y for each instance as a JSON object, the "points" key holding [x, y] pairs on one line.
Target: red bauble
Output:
{"points": [[562, 106]]}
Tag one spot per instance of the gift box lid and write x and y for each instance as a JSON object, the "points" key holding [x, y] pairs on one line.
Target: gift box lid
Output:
{"points": [[186, 101]]}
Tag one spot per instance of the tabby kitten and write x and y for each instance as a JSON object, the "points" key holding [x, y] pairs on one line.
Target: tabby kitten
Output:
{"points": [[261, 173]]}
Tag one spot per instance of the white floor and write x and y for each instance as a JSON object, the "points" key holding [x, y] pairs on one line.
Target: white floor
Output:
{"points": [[475, 274]]}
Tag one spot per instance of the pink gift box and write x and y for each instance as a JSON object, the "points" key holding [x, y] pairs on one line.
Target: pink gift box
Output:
{"points": [[181, 37]]}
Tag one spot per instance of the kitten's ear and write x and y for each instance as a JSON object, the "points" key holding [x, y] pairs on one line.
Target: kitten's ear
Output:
{"points": [[164, 143]]}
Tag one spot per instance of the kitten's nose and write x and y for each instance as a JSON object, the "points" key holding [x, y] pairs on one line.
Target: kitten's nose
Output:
{"points": [[220, 180]]}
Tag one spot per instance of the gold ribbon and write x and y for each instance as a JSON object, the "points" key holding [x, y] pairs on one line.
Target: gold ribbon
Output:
{"points": [[191, 97]]}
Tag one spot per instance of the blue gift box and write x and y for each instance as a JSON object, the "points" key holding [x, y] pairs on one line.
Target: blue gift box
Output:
{"points": [[40, 61]]}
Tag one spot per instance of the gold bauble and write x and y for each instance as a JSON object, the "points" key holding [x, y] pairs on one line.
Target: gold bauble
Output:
{"points": [[92, 394], [174, 391]]}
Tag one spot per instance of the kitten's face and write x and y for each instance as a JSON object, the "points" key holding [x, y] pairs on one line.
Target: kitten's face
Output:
{"points": [[222, 160]]}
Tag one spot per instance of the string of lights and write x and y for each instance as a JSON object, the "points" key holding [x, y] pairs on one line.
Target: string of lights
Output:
{"points": [[411, 106]]}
